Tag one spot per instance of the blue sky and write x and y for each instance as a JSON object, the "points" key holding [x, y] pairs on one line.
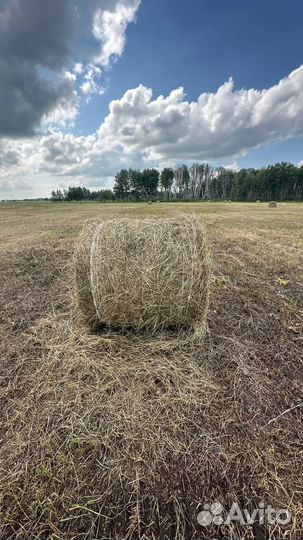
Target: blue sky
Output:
{"points": [[199, 44], [133, 52]]}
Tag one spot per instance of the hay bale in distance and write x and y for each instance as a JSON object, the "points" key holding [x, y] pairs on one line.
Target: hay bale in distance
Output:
{"points": [[272, 204], [150, 273]]}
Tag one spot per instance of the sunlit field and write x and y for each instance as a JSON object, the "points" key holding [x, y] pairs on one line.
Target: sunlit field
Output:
{"points": [[247, 426]]}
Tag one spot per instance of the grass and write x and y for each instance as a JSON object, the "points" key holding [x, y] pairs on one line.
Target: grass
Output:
{"points": [[101, 438]]}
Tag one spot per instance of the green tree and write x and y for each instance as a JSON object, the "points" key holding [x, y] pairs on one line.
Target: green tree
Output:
{"points": [[86, 193], [222, 183], [57, 196], [76, 193], [105, 195], [135, 182], [122, 187], [150, 181], [167, 179]]}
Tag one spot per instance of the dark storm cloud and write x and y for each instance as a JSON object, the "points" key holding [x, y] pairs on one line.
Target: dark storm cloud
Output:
{"points": [[25, 97], [35, 37]]}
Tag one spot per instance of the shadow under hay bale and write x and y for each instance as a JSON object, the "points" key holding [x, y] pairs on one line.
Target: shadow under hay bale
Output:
{"points": [[151, 274], [272, 204]]}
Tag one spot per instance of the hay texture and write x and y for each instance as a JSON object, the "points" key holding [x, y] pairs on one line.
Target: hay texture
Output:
{"points": [[272, 204], [144, 274]]}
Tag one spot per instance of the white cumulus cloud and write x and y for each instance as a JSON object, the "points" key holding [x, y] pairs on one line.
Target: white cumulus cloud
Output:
{"points": [[221, 124], [109, 27], [78, 68], [90, 84]]}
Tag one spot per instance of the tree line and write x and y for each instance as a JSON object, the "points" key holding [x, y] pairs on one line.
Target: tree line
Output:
{"points": [[79, 193], [282, 181]]}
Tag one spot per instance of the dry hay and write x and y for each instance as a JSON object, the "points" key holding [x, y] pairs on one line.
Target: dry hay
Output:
{"points": [[272, 204], [115, 440], [148, 274]]}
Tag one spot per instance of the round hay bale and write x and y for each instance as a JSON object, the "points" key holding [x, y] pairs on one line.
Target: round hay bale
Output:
{"points": [[272, 204], [144, 274], [149, 202]]}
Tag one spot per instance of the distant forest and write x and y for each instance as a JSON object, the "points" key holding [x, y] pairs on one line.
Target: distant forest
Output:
{"points": [[280, 182]]}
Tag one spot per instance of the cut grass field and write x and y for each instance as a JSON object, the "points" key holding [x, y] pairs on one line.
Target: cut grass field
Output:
{"points": [[77, 462]]}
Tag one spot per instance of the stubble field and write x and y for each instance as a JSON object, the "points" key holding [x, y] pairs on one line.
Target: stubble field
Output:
{"points": [[252, 355]]}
